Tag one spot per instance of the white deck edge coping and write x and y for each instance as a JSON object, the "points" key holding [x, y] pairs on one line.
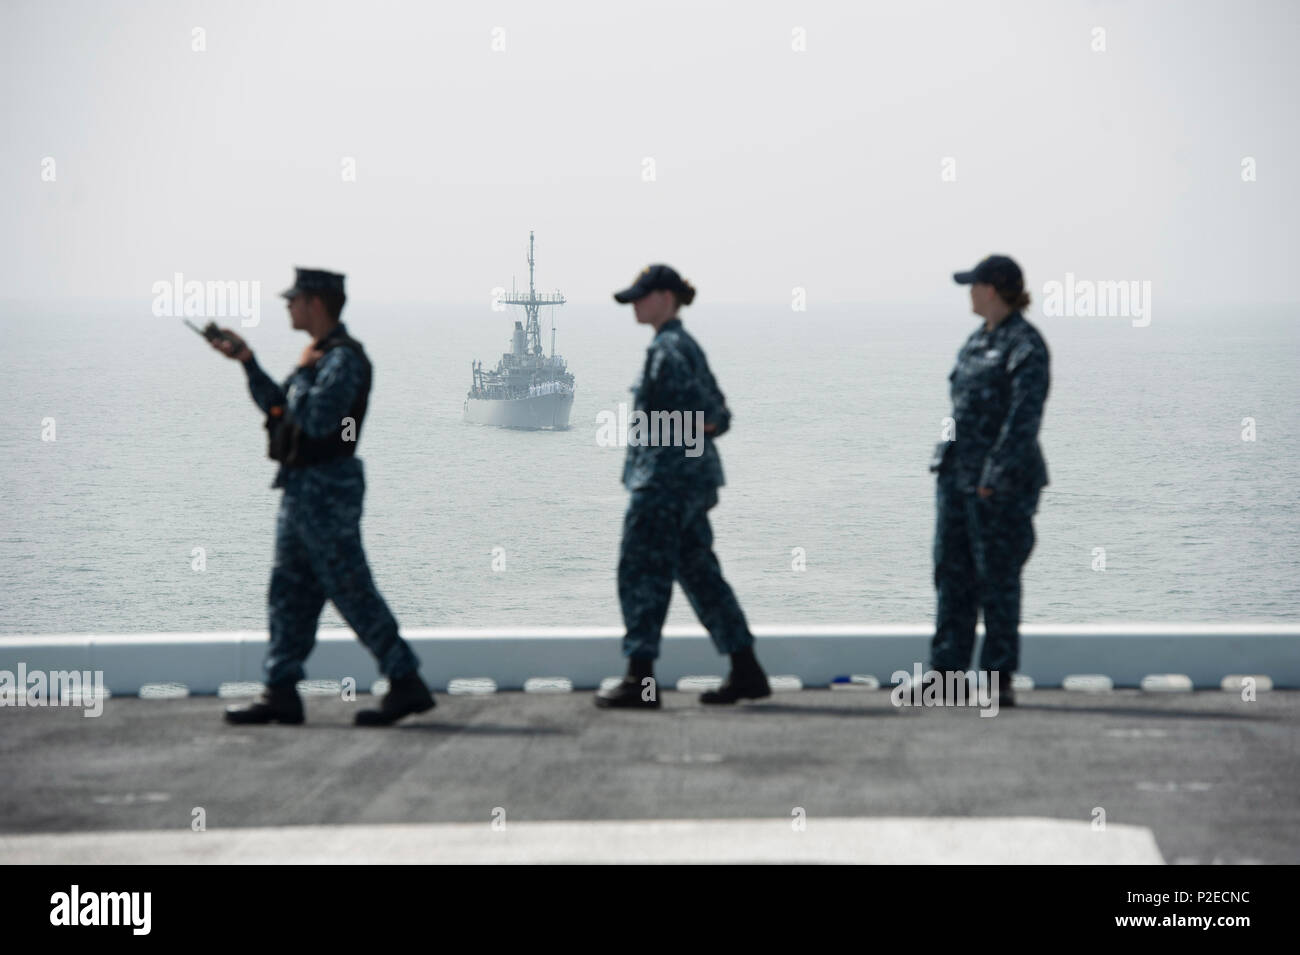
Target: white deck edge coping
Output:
{"points": [[944, 840], [1127, 653]]}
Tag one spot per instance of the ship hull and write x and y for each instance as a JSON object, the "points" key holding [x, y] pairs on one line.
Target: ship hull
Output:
{"points": [[530, 414]]}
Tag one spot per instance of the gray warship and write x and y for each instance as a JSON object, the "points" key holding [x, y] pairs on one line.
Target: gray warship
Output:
{"points": [[528, 389]]}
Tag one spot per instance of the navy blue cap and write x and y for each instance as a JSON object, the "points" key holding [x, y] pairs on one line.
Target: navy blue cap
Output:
{"points": [[652, 279], [1000, 271], [316, 281]]}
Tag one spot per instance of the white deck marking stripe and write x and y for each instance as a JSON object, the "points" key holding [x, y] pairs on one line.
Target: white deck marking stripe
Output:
{"points": [[886, 840]]}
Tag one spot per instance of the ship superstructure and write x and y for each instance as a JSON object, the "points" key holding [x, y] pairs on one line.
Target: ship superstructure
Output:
{"points": [[528, 388]]}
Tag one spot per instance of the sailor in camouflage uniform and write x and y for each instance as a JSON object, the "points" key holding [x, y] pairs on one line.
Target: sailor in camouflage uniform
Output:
{"points": [[313, 424], [989, 477], [666, 532]]}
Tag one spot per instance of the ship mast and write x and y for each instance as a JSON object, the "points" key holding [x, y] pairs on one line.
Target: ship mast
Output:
{"points": [[532, 306]]}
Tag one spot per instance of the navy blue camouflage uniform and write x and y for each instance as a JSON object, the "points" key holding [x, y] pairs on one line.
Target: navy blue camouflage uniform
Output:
{"points": [[666, 531], [999, 386], [318, 553]]}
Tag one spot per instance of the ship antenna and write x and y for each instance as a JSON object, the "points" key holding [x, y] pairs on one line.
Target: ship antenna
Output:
{"points": [[530, 263], [532, 303]]}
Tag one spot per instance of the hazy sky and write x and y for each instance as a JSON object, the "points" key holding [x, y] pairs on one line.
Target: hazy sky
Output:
{"points": [[774, 168]]}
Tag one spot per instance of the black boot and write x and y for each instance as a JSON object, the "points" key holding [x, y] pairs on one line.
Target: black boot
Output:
{"points": [[746, 681], [277, 704], [406, 695], [630, 692], [1006, 695]]}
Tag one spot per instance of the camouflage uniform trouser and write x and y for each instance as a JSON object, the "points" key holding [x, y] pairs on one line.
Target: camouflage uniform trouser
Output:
{"points": [[318, 556], [666, 536], [980, 545]]}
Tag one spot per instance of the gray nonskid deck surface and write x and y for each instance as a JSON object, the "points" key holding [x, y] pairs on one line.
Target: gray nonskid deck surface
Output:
{"points": [[1214, 778]]}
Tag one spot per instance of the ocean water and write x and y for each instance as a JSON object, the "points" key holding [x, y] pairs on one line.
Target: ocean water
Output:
{"points": [[158, 450]]}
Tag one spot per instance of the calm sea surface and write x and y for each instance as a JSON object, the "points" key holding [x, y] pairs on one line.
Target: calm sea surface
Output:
{"points": [[159, 451]]}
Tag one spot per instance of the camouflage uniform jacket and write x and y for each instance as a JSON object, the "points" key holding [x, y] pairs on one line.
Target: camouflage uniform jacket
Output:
{"points": [[676, 377], [319, 398], [999, 387]]}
